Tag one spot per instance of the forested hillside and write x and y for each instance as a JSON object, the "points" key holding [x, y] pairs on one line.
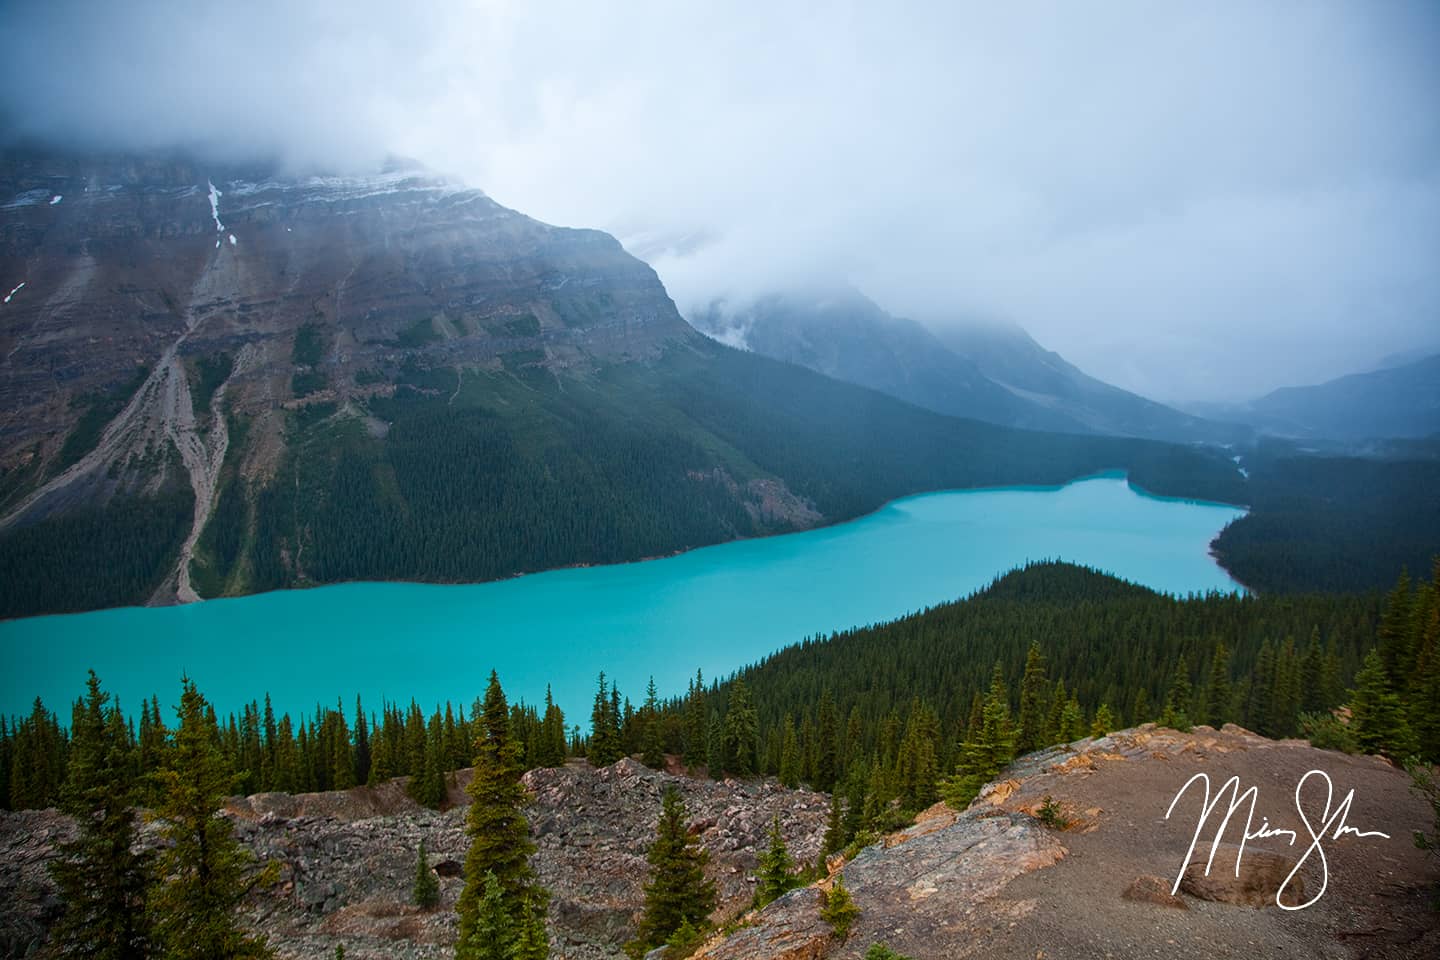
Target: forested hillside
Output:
{"points": [[466, 475], [1332, 523]]}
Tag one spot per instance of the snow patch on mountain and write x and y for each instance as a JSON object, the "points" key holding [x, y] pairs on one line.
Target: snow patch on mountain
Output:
{"points": [[215, 196]]}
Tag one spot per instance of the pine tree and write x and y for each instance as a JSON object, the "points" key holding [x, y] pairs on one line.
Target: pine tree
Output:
{"points": [[604, 728], [206, 872], [1072, 721], [919, 765], [1377, 717], [838, 908], [827, 729], [1104, 721], [1262, 685], [1031, 733], [492, 932], [678, 891], [1176, 715], [428, 787], [742, 726], [1217, 688], [1058, 698], [362, 744], [500, 845], [426, 892], [652, 750], [696, 727], [835, 838], [774, 877], [551, 751], [987, 750], [102, 882], [789, 754], [715, 747]]}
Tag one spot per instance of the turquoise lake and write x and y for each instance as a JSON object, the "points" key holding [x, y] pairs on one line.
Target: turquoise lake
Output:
{"points": [[715, 608]]}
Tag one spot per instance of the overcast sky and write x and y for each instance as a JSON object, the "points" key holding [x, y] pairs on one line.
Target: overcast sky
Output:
{"points": [[1189, 200]]}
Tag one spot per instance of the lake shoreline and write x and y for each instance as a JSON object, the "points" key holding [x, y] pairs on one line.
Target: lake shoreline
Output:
{"points": [[1104, 474]]}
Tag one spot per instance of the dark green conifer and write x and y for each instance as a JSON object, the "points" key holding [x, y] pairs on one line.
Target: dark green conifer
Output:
{"points": [[715, 749], [604, 727], [696, 726], [1031, 733], [789, 754], [827, 731], [102, 881], [987, 750], [500, 845], [1104, 722], [426, 892], [742, 726], [1217, 688], [1377, 717], [652, 748], [678, 891], [206, 873], [1176, 714], [835, 838], [775, 877]]}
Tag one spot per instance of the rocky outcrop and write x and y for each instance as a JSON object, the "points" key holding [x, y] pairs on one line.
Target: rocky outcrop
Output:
{"points": [[994, 882], [347, 859]]}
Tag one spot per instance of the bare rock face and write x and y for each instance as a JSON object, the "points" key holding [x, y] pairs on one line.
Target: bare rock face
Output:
{"points": [[928, 890], [28, 900], [123, 267]]}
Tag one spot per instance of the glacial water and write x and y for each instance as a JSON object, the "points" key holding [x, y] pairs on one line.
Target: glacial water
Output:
{"points": [[715, 608]]}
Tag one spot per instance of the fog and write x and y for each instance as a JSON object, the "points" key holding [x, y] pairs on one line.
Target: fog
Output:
{"points": [[1198, 201]]}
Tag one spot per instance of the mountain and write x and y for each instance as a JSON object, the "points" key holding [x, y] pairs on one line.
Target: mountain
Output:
{"points": [[1397, 402], [1010, 357], [218, 379], [992, 372], [847, 336]]}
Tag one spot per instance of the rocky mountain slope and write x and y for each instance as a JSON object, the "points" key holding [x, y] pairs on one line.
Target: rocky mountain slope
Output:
{"points": [[993, 372], [217, 379], [993, 881], [299, 291]]}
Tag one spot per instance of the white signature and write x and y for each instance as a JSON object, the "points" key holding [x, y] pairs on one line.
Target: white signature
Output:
{"points": [[1332, 826]]}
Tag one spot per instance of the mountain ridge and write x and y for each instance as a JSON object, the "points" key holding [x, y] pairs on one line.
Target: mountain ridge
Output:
{"points": [[990, 371]]}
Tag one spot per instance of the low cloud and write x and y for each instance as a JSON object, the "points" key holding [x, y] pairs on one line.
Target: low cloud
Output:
{"points": [[1191, 201]]}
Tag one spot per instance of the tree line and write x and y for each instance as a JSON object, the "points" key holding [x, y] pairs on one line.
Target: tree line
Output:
{"points": [[882, 713]]}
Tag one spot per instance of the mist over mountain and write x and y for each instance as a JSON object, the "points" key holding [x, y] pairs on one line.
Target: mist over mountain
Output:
{"points": [[1401, 401], [987, 370], [1191, 204]]}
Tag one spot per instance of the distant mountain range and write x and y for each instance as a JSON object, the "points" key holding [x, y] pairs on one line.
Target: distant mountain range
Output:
{"points": [[1402, 401], [989, 371]]}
